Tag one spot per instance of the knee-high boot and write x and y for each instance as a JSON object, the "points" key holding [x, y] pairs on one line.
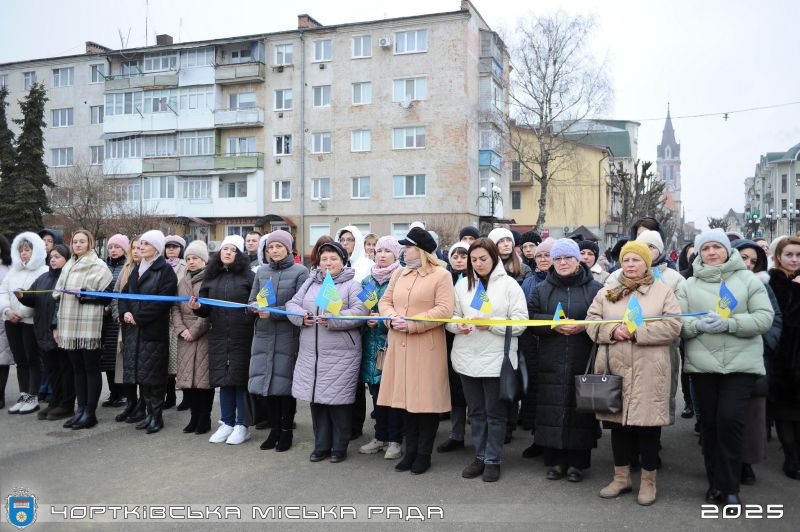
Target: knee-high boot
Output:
{"points": [[156, 407], [204, 400], [169, 400], [189, 397], [144, 393]]}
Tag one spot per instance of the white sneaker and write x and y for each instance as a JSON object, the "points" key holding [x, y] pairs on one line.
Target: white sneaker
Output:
{"points": [[222, 434], [31, 404], [375, 446], [393, 451], [239, 435], [23, 398]]}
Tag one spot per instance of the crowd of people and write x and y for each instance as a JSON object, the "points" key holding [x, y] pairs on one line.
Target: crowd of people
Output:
{"points": [[401, 330]]}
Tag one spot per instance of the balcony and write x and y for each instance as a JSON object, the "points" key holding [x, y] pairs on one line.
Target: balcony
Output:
{"points": [[489, 65], [239, 161], [240, 73], [168, 165], [168, 79], [490, 158], [239, 117]]}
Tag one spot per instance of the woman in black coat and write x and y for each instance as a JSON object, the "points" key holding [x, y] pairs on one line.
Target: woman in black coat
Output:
{"points": [[566, 435], [230, 335], [117, 247], [59, 369], [145, 331]]}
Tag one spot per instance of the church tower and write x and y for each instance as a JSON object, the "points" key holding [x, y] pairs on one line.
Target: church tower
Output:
{"points": [[668, 164]]}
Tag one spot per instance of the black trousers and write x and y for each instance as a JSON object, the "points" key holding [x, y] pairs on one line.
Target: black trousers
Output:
{"points": [[577, 458], [22, 341], [87, 378], [723, 402], [154, 397], [632, 441], [331, 425], [62, 380], [420, 432], [359, 410], [281, 410]]}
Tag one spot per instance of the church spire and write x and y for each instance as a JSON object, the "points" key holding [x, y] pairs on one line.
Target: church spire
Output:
{"points": [[668, 139]]}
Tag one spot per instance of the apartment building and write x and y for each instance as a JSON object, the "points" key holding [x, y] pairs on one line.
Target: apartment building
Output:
{"points": [[375, 124], [772, 195]]}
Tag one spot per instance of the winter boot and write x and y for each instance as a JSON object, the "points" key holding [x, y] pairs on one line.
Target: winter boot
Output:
{"points": [[284, 442], [647, 488], [619, 485], [169, 400], [156, 406]]}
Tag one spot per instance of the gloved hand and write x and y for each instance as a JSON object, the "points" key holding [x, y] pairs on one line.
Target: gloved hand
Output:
{"points": [[712, 323]]}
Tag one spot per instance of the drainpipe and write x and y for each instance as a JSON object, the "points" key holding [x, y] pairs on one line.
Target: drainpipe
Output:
{"points": [[301, 248]]}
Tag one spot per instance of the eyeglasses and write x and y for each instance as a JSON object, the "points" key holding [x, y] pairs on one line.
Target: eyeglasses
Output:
{"points": [[343, 240], [563, 259]]}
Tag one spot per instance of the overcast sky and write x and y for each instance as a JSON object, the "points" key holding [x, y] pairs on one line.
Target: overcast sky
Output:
{"points": [[702, 56]]}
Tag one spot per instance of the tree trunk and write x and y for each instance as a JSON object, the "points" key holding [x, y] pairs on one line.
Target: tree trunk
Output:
{"points": [[542, 203]]}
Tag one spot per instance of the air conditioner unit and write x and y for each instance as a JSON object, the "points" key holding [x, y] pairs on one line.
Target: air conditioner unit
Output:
{"points": [[280, 68], [214, 245], [322, 204], [385, 42], [322, 66]]}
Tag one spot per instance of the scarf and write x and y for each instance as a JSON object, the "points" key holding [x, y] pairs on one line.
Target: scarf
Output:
{"points": [[381, 275], [145, 264], [627, 286], [80, 326], [174, 262], [414, 264]]}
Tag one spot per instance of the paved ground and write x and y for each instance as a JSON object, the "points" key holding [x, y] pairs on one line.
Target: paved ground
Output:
{"points": [[113, 464]]}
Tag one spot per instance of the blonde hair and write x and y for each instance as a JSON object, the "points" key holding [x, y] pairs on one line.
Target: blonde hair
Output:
{"points": [[429, 259], [129, 264], [89, 238]]}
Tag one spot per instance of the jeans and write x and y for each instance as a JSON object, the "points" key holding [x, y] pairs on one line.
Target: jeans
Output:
{"points": [[488, 416], [458, 422], [231, 404], [388, 421]]}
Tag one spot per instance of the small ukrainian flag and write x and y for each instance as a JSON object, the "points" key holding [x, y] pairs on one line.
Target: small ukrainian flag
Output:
{"points": [[633, 318], [726, 301], [266, 296], [480, 301]]}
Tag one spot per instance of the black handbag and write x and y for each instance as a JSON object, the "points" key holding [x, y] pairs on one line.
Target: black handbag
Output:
{"points": [[513, 382], [598, 393]]}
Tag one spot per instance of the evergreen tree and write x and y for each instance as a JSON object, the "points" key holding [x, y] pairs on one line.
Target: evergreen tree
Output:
{"points": [[30, 172], [7, 157]]}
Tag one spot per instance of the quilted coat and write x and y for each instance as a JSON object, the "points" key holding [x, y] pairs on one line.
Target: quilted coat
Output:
{"points": [[192, 357]]}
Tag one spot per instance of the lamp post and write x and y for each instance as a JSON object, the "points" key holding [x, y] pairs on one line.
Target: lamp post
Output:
{"points": [[771, 219], [753, 221], [789, 214], [493, 195]]}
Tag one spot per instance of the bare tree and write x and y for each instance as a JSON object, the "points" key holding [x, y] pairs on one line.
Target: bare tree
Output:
{"points": [[447, 226], [555, 84], [713, 223], [639, 194]]}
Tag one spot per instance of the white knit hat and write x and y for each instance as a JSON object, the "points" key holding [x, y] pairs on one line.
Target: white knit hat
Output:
{"points": [[235, 240], [155, 238], [499, 233], [198, 248], [652, 238]]}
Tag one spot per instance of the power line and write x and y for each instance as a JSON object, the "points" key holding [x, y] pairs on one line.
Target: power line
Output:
{"points": [[723, 114]]}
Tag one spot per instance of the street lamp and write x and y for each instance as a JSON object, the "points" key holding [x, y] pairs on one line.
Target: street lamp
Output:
{"points": [[493, 195], [789, 215], [771, 219], [753, 221]]}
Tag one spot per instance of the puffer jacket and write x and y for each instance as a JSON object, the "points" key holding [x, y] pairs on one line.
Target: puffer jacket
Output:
{"points": [[276, 339], [44, 308], [373, 339], [230, 332], [146, 344], [110, 332], [481, 353], [741, 349], [645, 365], [784, 380], [559, 359], [192, 357], [327, 364], [21, 276]]}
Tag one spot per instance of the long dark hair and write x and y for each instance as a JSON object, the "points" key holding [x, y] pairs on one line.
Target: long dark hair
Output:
{"points": [[491, 249], [241, 263], [5, 251]]}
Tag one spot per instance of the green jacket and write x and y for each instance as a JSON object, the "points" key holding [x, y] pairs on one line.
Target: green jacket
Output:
{"points": [[741, 349]]}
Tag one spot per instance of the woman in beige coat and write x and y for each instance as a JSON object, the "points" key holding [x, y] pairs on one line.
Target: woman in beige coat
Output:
{"points": [[643, 360], [414, 375], [192, 347]]}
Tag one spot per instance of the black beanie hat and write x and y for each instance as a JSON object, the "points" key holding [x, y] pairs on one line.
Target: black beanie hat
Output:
{"points": [[588, 244], [517, 238], [530, 236], [333, 246], [62, 250], [468, 231]]}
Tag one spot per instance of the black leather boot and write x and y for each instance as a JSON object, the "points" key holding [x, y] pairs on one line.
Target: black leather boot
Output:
{"points": [[128, 412], [144, 392], [71, 421], [139, 412], [186, 400], [86, 421], [285, 441], [272, 440], [189, 400], [205, 401], [156, 407], [170, 399]]}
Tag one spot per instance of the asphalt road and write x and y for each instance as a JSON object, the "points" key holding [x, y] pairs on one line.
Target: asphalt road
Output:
{"points": [[113, 464]]}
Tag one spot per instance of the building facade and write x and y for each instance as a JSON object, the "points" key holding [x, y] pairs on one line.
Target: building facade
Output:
{"points": [[772, 195]]}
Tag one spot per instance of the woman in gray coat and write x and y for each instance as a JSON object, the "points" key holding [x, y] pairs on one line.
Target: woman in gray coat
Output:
{"points": [[276, 339], [330, 353]]}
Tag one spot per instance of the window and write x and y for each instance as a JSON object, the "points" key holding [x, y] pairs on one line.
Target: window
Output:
{"points": [[128, 192], [123, 103], [98, 73], [315, 231], [62, 117], [362, 93], [783, 204], [240, 230], [124, 148], [3, 80], [283, 54], [409, 137], [233, 189], [197, 98], [159, 187], [409, 185], [62, 156], [195, 189], [160, 101], [784, 183], [797, 180], [361, 140], [131, 68], [28, 79], [362, 46], [321, 143], [63, 77], [400, 230], [406, 90], [160, 146], [408, 42], [281, 190], [321, 188], [283, 100], [797, 206], [241, 145], [283, 145], [243, 100], [160, 61], [98, 154], [322, 96], [196, 143], [241, 56], [516, 200], [490, 139], [198, 57], [515, 171], [360, 187], [96, 112], [322, 50]]}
